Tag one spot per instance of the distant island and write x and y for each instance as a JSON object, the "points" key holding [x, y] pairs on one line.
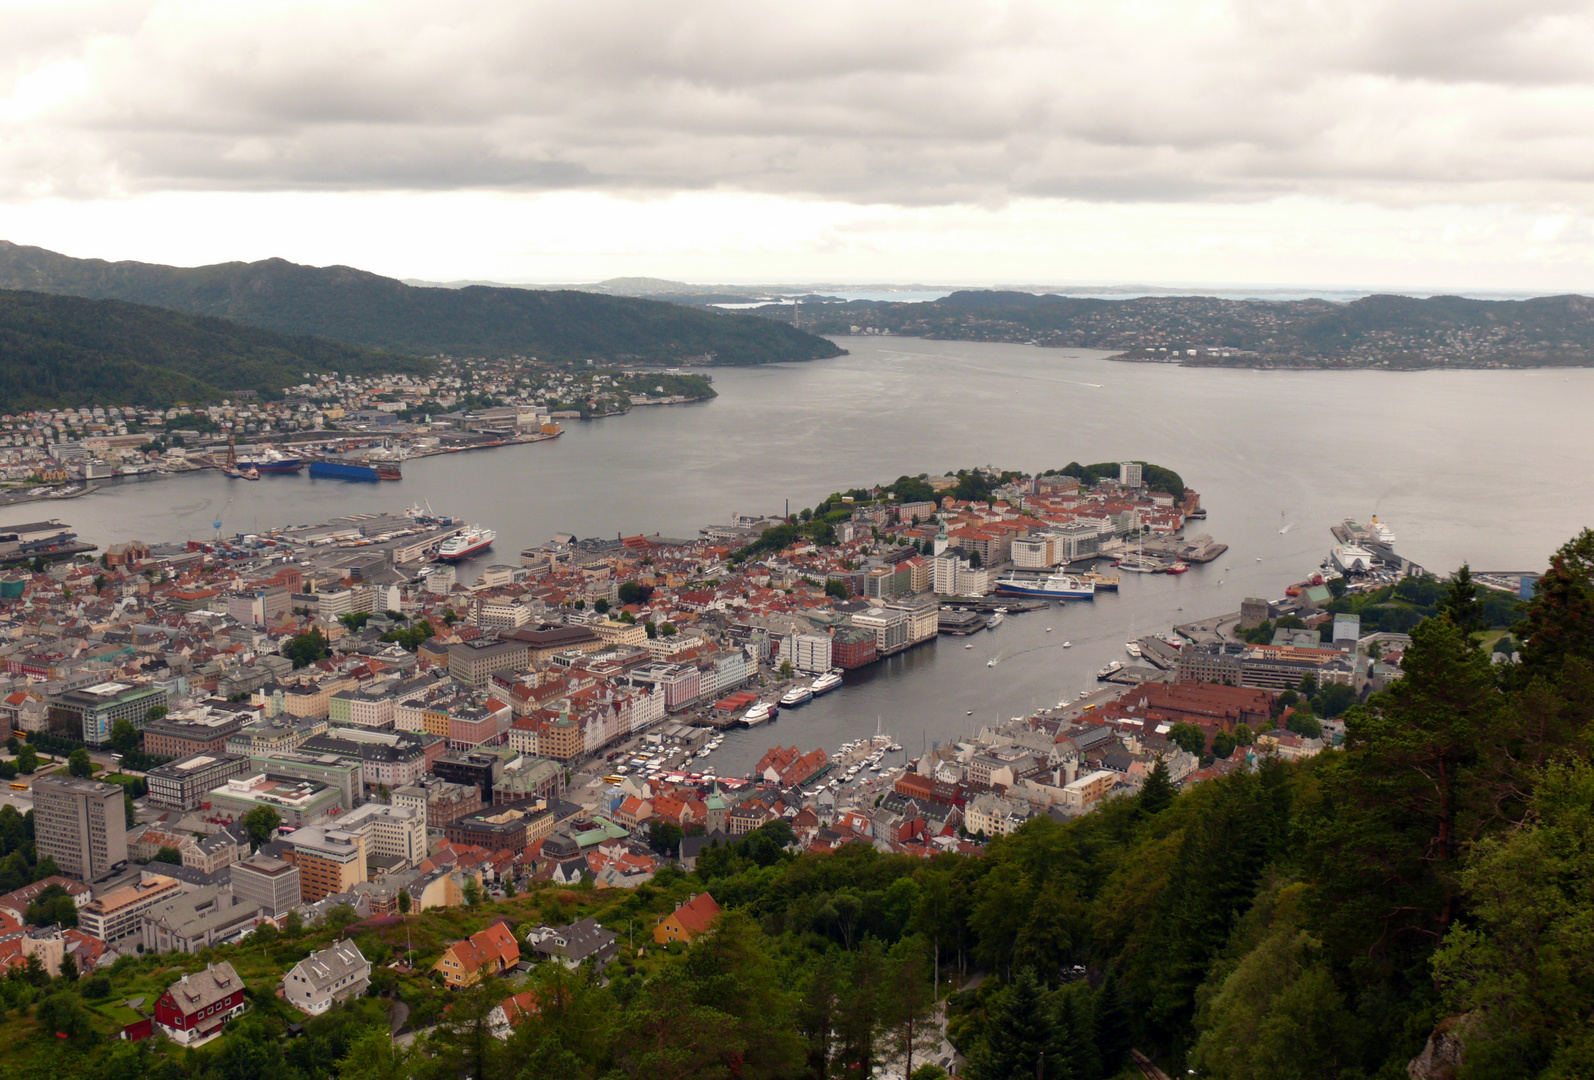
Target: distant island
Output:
{"points": [[1385, 332], [365, 309]]}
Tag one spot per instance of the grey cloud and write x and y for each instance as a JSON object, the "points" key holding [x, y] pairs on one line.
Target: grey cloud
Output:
{"points": [[952, 101]]}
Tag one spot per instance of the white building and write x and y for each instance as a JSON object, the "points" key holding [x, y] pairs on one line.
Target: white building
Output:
{"points": [[398, 832], [808, 652], [334, 974]]}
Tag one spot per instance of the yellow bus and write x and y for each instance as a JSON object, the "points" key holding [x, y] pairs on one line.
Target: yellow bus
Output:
{"points": [[18, 787]]}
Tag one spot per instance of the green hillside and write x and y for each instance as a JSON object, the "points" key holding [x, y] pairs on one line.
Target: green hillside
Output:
{"points": [[66, 351], [362, 308]]}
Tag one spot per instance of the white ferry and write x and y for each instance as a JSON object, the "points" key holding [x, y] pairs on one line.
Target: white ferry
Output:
{"points": [[825, 683], [797, 695], [758, 714]]}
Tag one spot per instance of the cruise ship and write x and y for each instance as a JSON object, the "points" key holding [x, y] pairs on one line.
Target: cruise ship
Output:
{"points": [[1384, 534], [1051, 587], [825, 683], [462, 545]]}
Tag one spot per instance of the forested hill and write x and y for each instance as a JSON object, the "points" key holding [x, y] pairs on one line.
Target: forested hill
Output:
{"points": [[1399, 332], [362, 308], [66, 351]]}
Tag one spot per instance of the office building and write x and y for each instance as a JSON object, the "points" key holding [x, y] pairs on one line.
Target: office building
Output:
{"points": [[81, 824], [297, 802], [330, 861], [184, 784], [472, 663], [395, 832], [94, 709], [270, 884], [119, 914]]}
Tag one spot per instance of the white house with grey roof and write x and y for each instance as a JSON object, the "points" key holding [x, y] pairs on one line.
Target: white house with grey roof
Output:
{"points": [[334, 974]]}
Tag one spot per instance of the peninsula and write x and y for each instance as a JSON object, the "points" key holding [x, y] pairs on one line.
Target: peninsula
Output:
{"points": [[1387, 332]]}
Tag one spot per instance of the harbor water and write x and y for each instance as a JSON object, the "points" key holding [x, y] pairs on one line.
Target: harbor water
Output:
{"points": [[1488, 467]]}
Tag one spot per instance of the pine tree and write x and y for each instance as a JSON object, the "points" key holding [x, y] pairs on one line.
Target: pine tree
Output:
{"points": [[1020, 1034], [1461, 604], [1156, 794]]}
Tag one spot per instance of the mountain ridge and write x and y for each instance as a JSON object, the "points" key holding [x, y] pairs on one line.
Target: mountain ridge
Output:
{"points": [[70, 351], [358, 307]]}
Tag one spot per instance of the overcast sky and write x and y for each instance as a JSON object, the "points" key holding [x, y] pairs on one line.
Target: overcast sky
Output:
{"points": [[1403, 143]]}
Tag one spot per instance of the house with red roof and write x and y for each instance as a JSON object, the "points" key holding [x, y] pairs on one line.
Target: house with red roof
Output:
{"points": [[492, 951], [689, 921]]}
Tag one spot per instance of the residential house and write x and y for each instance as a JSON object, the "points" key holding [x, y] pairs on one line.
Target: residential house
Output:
{"points": [[196, 1007], [490, 951], [689, 921], [333, 974], [575, 944]]}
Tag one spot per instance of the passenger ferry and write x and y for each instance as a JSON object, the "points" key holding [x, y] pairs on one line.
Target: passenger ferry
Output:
{"points": [[797, 695]]}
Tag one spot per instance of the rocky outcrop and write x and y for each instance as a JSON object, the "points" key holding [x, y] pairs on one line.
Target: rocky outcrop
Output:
{"points": [[1441, 1057]]}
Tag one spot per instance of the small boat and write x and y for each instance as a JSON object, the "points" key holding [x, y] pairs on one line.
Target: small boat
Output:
{"points": [[990, 663], [969, 646], [251, 473], [971, 712], [1111, 669], [994, 621], [1048, 629], [1068, 644], [1178, 568]]}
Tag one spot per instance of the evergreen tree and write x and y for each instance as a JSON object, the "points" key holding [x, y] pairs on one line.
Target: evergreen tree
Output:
{"points": [[1156, 794], [1461, 606], [1020, 1036]]}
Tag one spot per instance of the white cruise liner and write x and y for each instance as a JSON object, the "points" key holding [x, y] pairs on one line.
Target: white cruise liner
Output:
{"points": [[758, 714], [468, 542]]}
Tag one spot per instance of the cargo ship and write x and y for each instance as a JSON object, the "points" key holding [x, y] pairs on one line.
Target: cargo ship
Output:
{"points": [[464, 544], [1051, 587], [272, 462], [342, 470]]}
